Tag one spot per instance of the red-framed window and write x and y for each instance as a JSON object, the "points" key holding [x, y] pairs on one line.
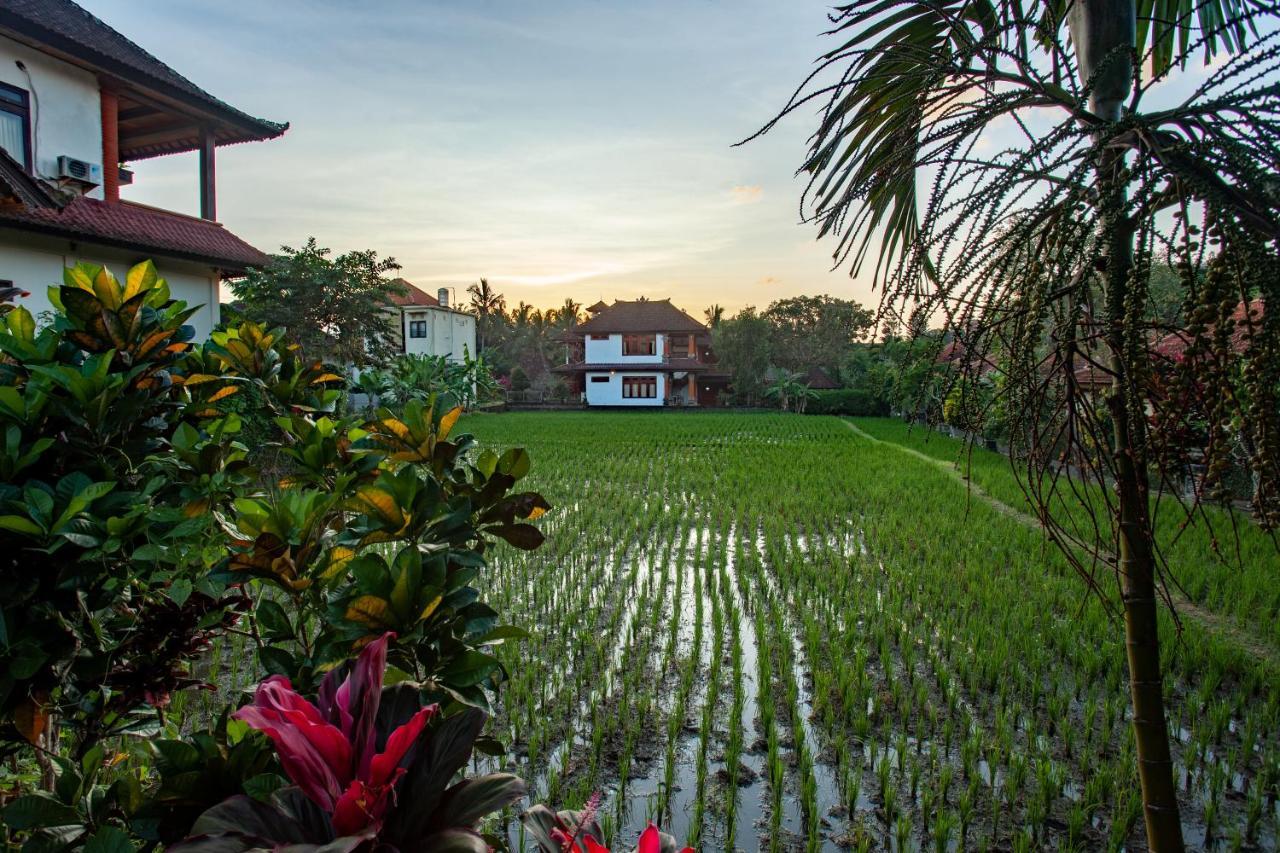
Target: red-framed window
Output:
{"points": [[639, 344], [639, 387]]}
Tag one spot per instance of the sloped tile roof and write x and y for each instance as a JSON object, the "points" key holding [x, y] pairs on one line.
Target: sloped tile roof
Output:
{"points": [[642, 315], [415, 296], [1244, 318], [819, 380], [141, 228], [64, 27], [18, 185]]}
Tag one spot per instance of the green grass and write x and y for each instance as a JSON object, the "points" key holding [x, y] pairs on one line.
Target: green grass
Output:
{"points": [[1221, 559], [898, 639]]}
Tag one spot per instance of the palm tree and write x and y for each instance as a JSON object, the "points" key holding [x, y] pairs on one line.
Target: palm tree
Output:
{"points": [[1040, 242], [489, 306], [714, 315], [570, 314]]}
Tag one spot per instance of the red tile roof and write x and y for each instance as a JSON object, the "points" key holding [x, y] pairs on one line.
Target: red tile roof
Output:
{"points": [[1174, 345], [144, 229], [642, 315], [957, 354], [415, 296], [18, 185], [63, 28]]}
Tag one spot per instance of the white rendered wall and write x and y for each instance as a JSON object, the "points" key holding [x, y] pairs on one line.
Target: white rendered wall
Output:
{"points": [[610, 352], [34, 263], [451, 334], [66, 108], [610, 393]]}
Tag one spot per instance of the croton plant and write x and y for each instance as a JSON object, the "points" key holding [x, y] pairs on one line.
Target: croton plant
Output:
{"points": [[158, 531]]}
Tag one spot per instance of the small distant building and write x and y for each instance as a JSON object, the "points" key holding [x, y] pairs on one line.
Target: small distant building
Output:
{"points": [[819, 380], [429, 325], [78, 100], [642, 353]]}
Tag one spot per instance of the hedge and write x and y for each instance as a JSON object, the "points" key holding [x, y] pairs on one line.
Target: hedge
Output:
{"points": [[847, 401]]}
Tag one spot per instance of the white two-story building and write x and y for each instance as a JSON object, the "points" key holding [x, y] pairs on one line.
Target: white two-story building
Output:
{"points": [[642, 353], [78, 101], [430, 325]]}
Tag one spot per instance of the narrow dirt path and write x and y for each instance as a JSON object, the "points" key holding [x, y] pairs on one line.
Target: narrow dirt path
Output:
{"points": [[1184, 607]]}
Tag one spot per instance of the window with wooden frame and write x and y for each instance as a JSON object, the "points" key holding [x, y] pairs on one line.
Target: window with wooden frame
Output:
{"points": [[639, 387], [679, 347], [15, 124], [599, 378], [639, 344], [417, 328]]}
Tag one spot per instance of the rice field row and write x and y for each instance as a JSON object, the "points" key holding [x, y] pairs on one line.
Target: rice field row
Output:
{"points": [[765, 632]]}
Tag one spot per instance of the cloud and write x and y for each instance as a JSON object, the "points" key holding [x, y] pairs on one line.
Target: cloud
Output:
{"points": [[746, 194]]}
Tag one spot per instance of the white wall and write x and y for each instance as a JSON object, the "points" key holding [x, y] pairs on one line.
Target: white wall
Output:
{"points": [[66, 109], [610, 393], [449, 333], [610, 352], [33, 263]]}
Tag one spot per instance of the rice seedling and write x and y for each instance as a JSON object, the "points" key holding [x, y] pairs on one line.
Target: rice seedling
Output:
{"points": [[721, 591]]}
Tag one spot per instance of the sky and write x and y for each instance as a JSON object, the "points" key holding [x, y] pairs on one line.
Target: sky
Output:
{"points": [[561, 148]]}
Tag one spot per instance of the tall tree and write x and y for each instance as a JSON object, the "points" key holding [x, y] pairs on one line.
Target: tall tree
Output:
{"points": [[1040, 241], [714, 315], [490, 308], [339, 309], [569, 314], [815, 331], [741, 344]]}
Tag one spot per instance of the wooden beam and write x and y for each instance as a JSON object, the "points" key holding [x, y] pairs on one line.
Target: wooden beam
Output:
{"points": [[110, 105], [208, 178], [158, 136]]}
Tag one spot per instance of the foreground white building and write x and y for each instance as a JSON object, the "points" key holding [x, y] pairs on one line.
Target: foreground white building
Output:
{"points": [[78, 100], [642, 353], [429, 325]]}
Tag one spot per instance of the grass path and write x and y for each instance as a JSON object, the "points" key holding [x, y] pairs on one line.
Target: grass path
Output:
{"points": [[1183, 606]]}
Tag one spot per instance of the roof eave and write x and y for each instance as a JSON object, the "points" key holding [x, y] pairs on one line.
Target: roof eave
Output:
{"points": [[75, 53], [227, 266]]}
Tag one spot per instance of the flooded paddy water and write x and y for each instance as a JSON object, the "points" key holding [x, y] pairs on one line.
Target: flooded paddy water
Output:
{"points": [[767, 633]]}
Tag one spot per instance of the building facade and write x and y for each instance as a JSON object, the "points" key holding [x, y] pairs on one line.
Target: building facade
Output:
{"points": [[78, 101], [645, 353], [430, 325]]}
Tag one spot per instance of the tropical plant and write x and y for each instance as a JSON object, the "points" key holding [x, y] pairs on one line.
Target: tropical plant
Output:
{"points": [[107, 488], [418, 377], [580, 832], [490, 308], [791, 391], [401, 481], [157, 543], [339, 309], [367, 766], [1045, 245]]}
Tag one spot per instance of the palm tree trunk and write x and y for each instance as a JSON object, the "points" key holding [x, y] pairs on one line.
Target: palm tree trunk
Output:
{"points": [[1136, 562], [1104, 35]]}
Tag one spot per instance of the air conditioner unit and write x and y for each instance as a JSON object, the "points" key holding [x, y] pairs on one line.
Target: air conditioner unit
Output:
{"points": [[81, 172]]}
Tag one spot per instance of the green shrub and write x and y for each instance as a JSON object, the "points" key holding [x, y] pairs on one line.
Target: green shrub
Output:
{"points": [[847, 401], [138, 534]]}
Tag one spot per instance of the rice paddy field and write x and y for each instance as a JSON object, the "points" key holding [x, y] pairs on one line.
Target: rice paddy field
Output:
{"points": [[775, 632]]}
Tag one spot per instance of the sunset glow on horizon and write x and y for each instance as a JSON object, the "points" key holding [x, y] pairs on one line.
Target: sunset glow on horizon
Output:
{"points": [[561, 150]]}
